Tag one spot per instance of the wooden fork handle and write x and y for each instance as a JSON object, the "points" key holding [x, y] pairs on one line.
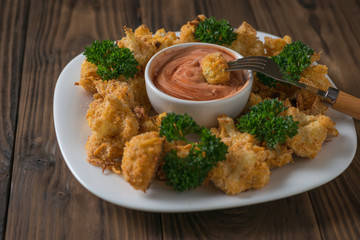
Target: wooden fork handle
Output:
{"points": [[348, 104]]}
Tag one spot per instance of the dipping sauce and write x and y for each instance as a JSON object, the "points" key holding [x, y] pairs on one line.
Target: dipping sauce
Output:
{"points": [[179, 74]]}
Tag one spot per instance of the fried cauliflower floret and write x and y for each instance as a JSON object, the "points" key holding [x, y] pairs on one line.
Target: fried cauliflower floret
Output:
{"points": [[163, 39], [247, 43], [160, 40], [144, 44], [150, 123], [187, 31], [279, 156], [105, 152], [137, 86], [116, 88], [252, 101], [213, 68], [132, 92], [142, 156], [112, 124], [312, 132], [88, 76], [110, 117], [142, 50], [314, 75], [274, 46], [245, 167]]}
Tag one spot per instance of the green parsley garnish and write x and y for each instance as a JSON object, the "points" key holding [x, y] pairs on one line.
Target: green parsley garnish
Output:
{"points": [[215, 31], [111, 60], [292, 60], [265, 122], [191, 171]]}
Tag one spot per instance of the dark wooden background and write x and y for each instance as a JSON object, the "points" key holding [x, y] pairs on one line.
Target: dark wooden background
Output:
{"points": [[40, 199]]}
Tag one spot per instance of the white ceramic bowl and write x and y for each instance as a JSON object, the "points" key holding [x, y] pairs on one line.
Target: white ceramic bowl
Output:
{"points": [[203, 112]]}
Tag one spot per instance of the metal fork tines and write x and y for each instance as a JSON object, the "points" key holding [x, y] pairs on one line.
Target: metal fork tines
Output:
{"points": [[259, 64], [270, 68]]}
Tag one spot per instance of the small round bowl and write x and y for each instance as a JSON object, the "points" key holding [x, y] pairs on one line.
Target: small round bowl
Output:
{"points": [[203, 112]]}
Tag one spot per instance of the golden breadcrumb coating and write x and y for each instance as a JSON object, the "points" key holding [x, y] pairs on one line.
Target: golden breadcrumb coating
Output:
{"points": [[247, 43], [142, 50], [144, 45], [105, 152], [163, 39], [279, 156], [316, 76], [141, 159], [88, 76], [274, 46], [187, 31], [253, 100], [245, 167], [137, 86], [110, 117], [116, 88], [160, 40], [312, 132], [213, 68], [150, 123]]}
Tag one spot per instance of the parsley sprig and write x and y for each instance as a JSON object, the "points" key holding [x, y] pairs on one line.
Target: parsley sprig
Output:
{"points": [[265, 121], [111, 60], [292, 60], [215, 31], [191, 171]]}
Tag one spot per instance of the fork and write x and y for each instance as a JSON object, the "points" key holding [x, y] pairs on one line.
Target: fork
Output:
{"points": [[333, 97]]}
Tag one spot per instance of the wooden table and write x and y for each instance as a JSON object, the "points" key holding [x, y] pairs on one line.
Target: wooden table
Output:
{"points": [[40, 198]]}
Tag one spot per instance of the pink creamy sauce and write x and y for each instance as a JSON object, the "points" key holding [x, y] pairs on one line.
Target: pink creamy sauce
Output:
{"points": [[179, 74]]}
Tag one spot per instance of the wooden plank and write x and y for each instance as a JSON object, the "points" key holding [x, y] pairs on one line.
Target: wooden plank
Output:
{"points": [[171, 16], [337, 203], [13, 17], [46, 201], [283, 219]]}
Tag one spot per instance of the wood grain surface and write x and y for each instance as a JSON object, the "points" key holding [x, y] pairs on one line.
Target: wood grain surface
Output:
{"points": [[13, 23], [40, 198]]}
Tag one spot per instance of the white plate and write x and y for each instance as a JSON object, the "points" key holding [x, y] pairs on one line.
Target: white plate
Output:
{"points": [[70, 106]]}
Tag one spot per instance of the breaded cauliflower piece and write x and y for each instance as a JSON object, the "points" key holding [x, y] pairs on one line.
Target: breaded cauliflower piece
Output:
{"points": [[160, 40], [187, 31], [105, 152], [247, 43], [137, 86], [245, 167], [279, 156], [142, 156], [150, 123], [252, 101], [119, 89], [274, 46], [88, 76], [312, 132], [163, 39], [132, 93], [142, 50], [109, 117], [314, 75], [112, 124], [144, 44], [213, 67]]}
